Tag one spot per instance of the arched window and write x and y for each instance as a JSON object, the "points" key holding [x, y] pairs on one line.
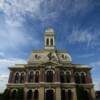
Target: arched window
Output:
{"points": [[77, 78], [36, 95], [83, 78], [22, 77], [68, 77], [31, 76], [62, 77], [49, 95], [17, 77], [47, 41], [37, 76], [49, 76], [51, 42], [29, 95], [63, 95], [69, 95], [13, 95]]}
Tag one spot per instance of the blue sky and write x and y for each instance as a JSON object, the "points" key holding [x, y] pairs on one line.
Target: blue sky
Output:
{"points": [[22, 26]]}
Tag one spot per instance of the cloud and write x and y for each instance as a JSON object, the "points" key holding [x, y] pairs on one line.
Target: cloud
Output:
{"points": [[3, 77], [96, 64], [96, 73], [85, 55], [6, 62], [11, 61], [2, 54], [4, 73], [86, 36], [15, 10], [3, 82], [13, 38]]}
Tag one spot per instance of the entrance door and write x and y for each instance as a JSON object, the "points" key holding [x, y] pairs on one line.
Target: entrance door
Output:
{"points": [[86, 95], [63, 95], [49, 95]]}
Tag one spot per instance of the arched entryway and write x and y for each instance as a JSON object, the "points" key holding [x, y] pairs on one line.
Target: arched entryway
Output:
{"points": [[49, 95], [69, 95], [36, 95], [86, 95], [29, 95], [13, 95], [63, 95]]}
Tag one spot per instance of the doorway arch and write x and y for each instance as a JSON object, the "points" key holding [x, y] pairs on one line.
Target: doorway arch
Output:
{"points": [[63, 95], [69, 95], [86, 95], [49, 95], [29, 95], [36, 95], [13, 95]]}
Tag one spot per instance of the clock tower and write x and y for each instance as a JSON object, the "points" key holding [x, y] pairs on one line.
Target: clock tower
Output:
{"points": [[49, 39]]}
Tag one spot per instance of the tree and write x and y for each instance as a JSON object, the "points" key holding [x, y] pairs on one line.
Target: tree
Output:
{"points": [[20, 94], [80, 91], [5, 95]]}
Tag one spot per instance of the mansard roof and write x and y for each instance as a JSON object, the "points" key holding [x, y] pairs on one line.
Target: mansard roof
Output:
{"points": [[46, 55]]}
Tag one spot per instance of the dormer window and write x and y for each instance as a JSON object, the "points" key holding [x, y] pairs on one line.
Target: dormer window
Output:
{"points": [[63, 56], [36, 56]]}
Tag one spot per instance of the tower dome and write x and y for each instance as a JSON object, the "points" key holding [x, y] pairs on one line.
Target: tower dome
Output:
{"points": [[49, 30]]}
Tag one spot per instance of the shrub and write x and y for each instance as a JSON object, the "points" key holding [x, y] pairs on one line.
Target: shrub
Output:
{"points": [[20, 94], [5, 95]]}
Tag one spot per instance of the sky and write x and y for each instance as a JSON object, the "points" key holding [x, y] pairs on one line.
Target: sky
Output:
{"points": [[76, 24]]}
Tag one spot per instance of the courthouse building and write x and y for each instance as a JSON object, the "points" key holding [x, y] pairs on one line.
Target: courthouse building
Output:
{"points": [[50, 74]]}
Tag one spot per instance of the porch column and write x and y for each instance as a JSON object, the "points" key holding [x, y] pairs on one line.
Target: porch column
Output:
{"points": [[26, 79], [55, 76], [42, 72], [93, 94], [58, 75], [58, 93], [25, 93], [41, 93], [74, 95]]}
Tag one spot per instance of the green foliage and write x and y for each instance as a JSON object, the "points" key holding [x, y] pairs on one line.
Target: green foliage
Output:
{"points": [[20, 94], [0, 96], [5, 95], [80, 91]]}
